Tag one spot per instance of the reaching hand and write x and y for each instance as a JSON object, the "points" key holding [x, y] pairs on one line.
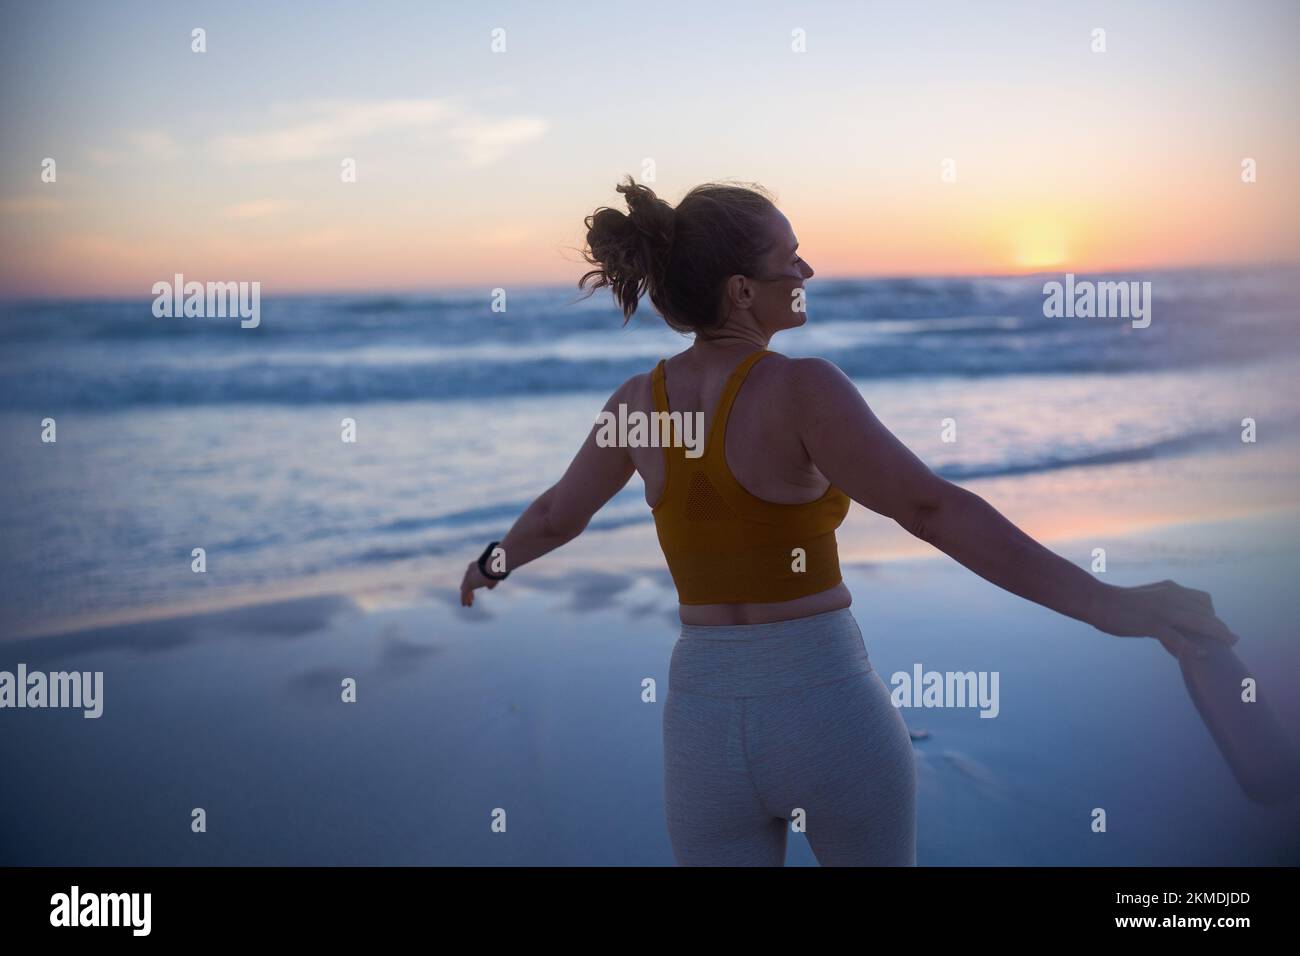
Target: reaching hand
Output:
{"points": [[1182, 619], [474, 579]]}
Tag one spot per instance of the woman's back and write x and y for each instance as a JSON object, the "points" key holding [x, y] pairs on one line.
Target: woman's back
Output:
{"points": [[745, 519], [762, 450]]}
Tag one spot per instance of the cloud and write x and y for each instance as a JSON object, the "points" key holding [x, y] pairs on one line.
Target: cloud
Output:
{"points": [[336, 130], [330, 129], [485, 141]]}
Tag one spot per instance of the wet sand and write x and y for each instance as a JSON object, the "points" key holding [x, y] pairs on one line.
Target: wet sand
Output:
{"points": [[531, 702]]}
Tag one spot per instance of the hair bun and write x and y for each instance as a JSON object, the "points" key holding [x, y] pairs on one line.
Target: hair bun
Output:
{"points": [[631, 251]]}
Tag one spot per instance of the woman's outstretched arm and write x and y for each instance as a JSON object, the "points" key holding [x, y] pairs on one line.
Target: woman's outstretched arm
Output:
{"points": [[560, 513], [860, 456]]}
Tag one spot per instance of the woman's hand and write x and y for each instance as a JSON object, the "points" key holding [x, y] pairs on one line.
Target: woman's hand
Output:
{"points": [[1182, 619], [474, 578]]}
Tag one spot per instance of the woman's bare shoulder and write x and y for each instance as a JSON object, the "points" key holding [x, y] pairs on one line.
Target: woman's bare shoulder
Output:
{"points": [[808, 376]]}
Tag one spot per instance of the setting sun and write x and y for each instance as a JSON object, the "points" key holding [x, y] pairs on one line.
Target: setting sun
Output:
{"points": [[1039, 245]]}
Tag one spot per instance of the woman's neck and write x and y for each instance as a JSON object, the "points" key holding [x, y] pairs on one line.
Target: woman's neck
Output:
{"points": [[730, 340]]}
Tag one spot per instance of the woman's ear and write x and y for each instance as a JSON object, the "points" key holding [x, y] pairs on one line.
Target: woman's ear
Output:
{"points": [[740, 293]]}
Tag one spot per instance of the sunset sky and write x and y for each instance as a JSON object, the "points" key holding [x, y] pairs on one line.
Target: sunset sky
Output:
{"points": [[475, 168]]}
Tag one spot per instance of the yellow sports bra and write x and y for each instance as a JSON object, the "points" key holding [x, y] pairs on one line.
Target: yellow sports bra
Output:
{"points": [[726, 546]]}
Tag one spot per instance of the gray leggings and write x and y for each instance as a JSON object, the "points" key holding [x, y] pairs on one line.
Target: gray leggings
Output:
{"points": [[764, 720]]}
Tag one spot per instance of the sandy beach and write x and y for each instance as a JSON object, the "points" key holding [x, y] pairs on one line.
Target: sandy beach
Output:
{"points": [[532, 703]]}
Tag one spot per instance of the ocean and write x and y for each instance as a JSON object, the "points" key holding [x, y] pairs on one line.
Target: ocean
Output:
{"points": [[182, 433]]}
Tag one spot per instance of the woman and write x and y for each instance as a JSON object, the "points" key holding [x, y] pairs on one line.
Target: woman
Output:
{"points": [[774, 718]]}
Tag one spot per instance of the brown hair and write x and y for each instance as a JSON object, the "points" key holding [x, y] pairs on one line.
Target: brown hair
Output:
{"points": [[681, 257]]}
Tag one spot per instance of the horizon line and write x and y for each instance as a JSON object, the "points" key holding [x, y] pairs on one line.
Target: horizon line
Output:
{"points": [[533, 285]]}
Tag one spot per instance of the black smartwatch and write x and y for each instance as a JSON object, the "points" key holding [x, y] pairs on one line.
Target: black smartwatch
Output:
{"points": [[482, 564]]}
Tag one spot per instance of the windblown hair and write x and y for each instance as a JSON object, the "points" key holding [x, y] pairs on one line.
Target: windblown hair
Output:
{"points": [[681, 257]]}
